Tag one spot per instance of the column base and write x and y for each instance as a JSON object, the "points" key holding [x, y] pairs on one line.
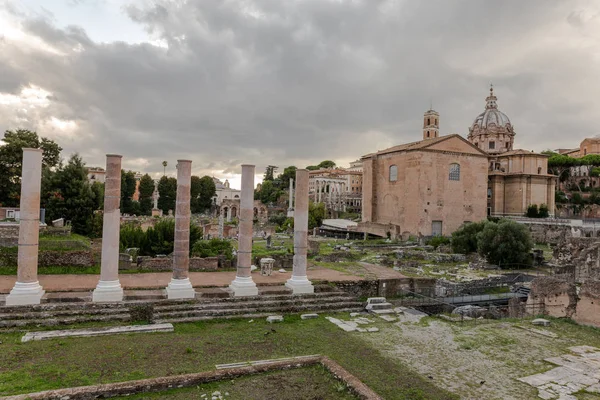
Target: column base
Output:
{"points": [[300, 285], [23, 294], [242, 286], [107, 291], [180, 289]]}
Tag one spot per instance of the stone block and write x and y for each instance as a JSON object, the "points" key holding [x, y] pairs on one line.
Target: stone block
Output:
{"points": [[541, 322], [43, 335], [309, 316], [373, 329], [274, 318]]}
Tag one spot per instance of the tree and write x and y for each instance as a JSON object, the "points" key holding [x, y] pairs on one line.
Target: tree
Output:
{"points": [[464, 240], [270, 173], [167, 192], [207, 192], [326, 164], [98, 190], [146, 190], [316, 214], [71, 196], [506, 244], [11, 161], [127, 190], [543, 211], [312, 167], [268, 193], [156, 240]]}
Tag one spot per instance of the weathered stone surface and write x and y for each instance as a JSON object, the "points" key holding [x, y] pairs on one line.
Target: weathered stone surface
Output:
{"points": [[309, 316], [44, 335], [552, 296], [274, 318], [470, 311], [541, 322]]}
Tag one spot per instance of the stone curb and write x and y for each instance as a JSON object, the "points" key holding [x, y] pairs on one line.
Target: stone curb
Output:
{"points": [[181, 381]]}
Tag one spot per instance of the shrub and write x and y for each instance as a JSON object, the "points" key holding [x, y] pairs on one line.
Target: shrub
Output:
{"points": [[464, 240], [213, 248], [532, 211], [438, 241], [543, 211], [506, 244], [156, 240]]}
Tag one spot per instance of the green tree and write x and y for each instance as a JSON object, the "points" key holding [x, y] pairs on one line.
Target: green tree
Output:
{"points": [[543, 211], [326, 164], [202, 192], [11, 161], [268, 193], [98, 190], [506, 244], [316, 214], [167, 192], [156, 240], [464, 239], [146, 190], [127, 190], [72, 197], [312, 167], [269, 173], [213, 248]]}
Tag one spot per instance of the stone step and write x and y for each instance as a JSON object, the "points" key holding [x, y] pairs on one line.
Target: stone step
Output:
{"points": [[246, 315], [382, 306], [229, 311], [178, 307]]}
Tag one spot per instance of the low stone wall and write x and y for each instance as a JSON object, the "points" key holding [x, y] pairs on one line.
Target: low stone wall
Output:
{"points": [[9, 235], [479, 286], [588, 306], [429, 256], [166, 264], [388, 287], [46, 258]]}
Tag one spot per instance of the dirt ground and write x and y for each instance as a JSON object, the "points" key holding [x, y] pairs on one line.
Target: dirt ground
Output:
{"points": [[479, 360]]}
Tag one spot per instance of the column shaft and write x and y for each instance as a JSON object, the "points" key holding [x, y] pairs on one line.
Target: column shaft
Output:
{"points": [[299, 282], [243, 285], [27, 289], [180, 286], [109, 288]]}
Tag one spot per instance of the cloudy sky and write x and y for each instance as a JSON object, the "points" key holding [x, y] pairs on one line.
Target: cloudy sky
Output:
{"points": [[226, 82]]}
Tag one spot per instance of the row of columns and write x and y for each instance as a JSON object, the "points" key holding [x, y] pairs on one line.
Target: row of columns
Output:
{"points": [[27, 289], [334, 196]]}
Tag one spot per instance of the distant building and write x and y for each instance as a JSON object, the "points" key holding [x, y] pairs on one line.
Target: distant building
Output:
{"points": [[96, 174], [224, 192], [433, 186], [340, 189]]}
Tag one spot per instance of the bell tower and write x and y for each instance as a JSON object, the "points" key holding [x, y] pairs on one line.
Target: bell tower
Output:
{"points": [[431, 124]]}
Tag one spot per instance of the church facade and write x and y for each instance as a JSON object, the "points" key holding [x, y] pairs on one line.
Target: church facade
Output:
{"points": [[433, 186]]}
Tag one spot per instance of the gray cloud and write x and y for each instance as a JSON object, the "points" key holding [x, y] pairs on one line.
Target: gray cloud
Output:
{"points": [[295, 82]]}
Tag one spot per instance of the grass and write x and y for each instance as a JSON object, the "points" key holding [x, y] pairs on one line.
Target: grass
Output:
{"points": [[259, 248], [314, 382], [195, 347], [55, 270]]}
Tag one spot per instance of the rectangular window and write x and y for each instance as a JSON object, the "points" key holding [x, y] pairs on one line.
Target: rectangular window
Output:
{"points": [[492, 145], [489, 193], [454, 174], [10, 214], [436, 228]]}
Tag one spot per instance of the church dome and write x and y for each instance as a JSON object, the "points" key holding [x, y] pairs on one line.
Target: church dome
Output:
{"points": [[492, 131]]}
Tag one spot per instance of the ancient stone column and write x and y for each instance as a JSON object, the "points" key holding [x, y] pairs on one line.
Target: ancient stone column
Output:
{"points": [[27, 289], [180, 286], [109, 288], [228, 214], [299, 282], [243, 285]]}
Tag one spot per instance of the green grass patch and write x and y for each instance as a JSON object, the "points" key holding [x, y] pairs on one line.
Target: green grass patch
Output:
{"points": [[314, 382], [195, 347], [55, 270]]}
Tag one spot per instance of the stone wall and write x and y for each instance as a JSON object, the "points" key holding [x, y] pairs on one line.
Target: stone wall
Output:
{"points": [[554, 234], [46, 258], [446, 288], [555, 297], [588, 306], [579, 258], [387, 287], [435, 257], [166, 264], [9, 235]]}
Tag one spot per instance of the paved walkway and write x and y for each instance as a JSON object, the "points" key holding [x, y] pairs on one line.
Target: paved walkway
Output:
{"points": [[159, 280]]}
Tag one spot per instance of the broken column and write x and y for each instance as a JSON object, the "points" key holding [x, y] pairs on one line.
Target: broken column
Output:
{"points": [[180, 286], [243, 285], [27, 289], [299, 282], [109, 288]]}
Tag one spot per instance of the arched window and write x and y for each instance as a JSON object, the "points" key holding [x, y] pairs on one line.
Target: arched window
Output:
{"points": [[436, 121], [427, 133], [454, 172], [428, 121], [393, 173]]}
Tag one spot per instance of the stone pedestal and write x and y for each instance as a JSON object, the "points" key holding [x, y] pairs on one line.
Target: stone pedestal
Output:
{"points": [[299, 282], [243, 285], [27, 289], [180, 286], [109, 288]]}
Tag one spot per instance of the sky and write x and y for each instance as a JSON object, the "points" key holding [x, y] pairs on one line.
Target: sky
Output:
{"points": [[294, 82]]}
